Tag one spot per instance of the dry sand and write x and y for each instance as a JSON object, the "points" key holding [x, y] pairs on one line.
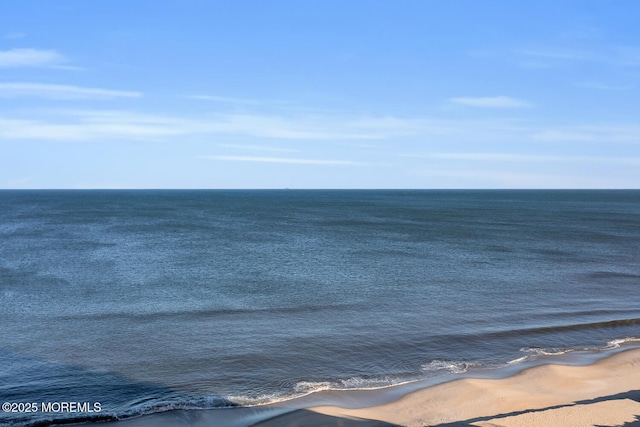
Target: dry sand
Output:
{"points": [[606, 393]]}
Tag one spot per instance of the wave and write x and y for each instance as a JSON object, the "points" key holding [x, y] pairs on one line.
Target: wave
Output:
{"points": [[352, 383], [191, 313], [440, 366], [565, 328], [613, 275], [535, 352], [306, 388], [602, 312], [619, 342]]}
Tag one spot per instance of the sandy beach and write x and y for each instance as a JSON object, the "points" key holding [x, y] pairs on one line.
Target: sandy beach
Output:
{"points": [[606, 393]]}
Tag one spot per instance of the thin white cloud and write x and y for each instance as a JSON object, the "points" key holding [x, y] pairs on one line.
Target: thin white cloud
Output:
{"points": [[606, 133], [89, 126], [490, 102], [287, 160], [535, 65], [475, 156], [65, 92], [628, 56], [226, 99], [12, 129], [604, 86], [30, 58], [257, 147], [525, 158], [563, 135], [551, 52], [311, 127]]}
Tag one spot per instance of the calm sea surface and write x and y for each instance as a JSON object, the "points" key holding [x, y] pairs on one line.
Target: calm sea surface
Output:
{"points": [[151, 300]]}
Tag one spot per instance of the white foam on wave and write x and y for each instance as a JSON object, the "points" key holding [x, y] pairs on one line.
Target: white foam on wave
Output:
{"points": [[313, 386], [447, 366], [263, 399], [371, 383], [518, 360], [535, 352], [619, 342], [304, 388], [353, 383]]}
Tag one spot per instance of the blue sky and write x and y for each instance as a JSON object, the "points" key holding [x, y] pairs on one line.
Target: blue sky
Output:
{"points": [[319, 94]]}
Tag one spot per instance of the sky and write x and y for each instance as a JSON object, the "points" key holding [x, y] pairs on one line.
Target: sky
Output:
{"points": [[319, 94]]}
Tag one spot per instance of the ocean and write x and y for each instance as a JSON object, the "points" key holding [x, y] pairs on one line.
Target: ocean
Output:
{"points": [[150, 301]]}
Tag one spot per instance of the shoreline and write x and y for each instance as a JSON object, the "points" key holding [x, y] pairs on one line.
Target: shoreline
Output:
{"points": [[606, 392]]}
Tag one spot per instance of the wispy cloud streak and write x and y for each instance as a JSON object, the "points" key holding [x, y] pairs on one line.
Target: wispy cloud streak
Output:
{"points": [[525, 158], [226, 99], [62, 92], [103, 124], [257, 148], [88, 125], [490, 102], [287, 160], [603, 133], [628, 56], [30, 58], [604, 86]]}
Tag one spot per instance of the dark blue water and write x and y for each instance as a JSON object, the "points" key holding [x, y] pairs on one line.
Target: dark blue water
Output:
{"points": [[146, 301]]}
